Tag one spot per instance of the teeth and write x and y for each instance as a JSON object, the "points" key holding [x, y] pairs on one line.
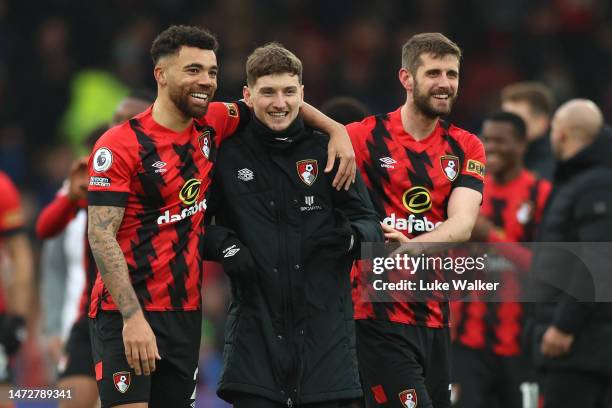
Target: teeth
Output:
{"points": [[278, 114], [199, 95], [440, 96]]}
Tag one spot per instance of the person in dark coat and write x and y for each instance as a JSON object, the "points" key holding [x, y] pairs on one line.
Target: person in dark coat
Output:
{"points": [[573, 334], [287, 240]]}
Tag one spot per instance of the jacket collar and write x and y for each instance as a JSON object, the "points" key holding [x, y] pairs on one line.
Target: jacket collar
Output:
{"points": [[597, 154], [278, 140]]}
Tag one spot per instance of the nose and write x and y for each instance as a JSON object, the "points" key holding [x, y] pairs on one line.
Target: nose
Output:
{"points": [[205, 80], [279, 101], [444, 81]]}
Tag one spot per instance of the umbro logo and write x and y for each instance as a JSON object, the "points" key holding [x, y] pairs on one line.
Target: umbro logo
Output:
{"points": [[245, 175], [230, 251], [159, 165], [387, 162]]}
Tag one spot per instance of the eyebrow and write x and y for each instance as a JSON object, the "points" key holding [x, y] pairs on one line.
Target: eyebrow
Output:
{"points": [[200, 66], [437, 70], [270, 88]]}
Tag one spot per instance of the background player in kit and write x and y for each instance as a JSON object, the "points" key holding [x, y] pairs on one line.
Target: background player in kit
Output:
{"points": [[18, 287], [148, 180], [425, 178], [490, 367]]}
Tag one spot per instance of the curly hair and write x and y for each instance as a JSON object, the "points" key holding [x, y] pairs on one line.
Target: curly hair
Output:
{"points": [[171, 40]]}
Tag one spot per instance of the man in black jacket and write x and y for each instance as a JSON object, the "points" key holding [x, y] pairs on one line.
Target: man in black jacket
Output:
{"points": [[573, 339], [287, 240]]}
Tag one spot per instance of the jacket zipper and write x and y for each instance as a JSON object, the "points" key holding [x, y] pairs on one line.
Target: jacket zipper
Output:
{"points": [[287, 298]]}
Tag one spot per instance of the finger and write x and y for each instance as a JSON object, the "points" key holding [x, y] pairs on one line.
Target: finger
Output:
{"points": [[151, 357], [136, 361], [386, 228], [144, 359], [391, 235], [341, 173], [547, 349], [331, 158], [128, 354], [156, 351], [352, 170]]}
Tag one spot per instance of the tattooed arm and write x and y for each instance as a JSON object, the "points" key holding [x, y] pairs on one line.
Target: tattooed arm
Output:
{"points": [[138, 337], [102, 230]]}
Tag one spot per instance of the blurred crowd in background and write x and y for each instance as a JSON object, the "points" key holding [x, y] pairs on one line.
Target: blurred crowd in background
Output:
{"points": [[65, 64]]}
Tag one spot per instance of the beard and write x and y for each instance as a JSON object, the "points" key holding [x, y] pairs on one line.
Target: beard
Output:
{"points": [[182, 100], [423, 103]]}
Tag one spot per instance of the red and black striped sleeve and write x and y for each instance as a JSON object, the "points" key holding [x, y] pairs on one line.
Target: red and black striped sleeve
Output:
{"points": [[111, 166], [227, 118], [473, 168]]}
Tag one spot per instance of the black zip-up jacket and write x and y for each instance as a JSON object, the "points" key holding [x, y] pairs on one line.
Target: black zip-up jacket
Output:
{"points": [[290, 334], [579, 210]]}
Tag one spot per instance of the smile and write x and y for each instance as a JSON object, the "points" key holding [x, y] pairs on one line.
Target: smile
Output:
{"points": [[199, 95]]}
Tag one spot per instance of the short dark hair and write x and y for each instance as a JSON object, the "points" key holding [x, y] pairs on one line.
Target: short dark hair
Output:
{"points": [[520, 129], [272, 58], [539, 97], [171, 40], [432, 43], [345, 109]]}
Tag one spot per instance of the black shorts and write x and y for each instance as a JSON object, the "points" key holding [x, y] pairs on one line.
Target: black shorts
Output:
{"points": [[402, 365], [173, 383], [488, 380], [243, 400], [78, 351], [6, 362]]}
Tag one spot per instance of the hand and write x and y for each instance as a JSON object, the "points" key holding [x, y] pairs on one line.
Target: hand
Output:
{"points": [[12, 332], [78, 179], [556, 343], [140, 344], [393, 235], [342, 238], [482, 229], [340, 147], [55, 348], [236, 258]]}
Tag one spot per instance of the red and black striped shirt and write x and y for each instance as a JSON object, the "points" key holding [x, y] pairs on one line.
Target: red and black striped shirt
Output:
{"points": [[410, 182], [161, 178], [515, 208]]}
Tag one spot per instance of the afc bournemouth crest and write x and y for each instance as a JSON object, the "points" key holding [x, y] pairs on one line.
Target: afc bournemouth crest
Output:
{"points": [[307, 170], [408, 398], [122, 381], [450, 166], [204, 142]]}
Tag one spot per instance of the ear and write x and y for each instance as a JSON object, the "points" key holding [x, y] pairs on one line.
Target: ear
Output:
{"points": [[406, 79], [160, 75], [522, 148], [246, 94], [302, 88]]}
